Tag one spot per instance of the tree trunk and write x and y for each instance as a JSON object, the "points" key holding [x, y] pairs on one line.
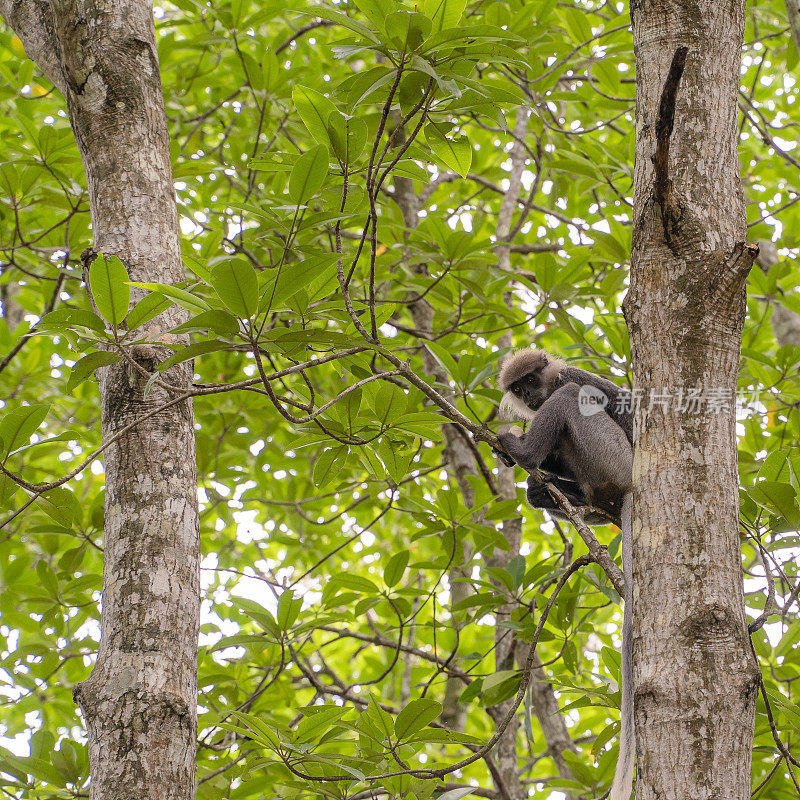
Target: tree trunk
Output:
{"points": [[695, 677], [139, 702]]}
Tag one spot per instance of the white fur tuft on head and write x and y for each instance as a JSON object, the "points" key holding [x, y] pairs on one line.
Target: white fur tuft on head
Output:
{"points": [[525, 361]]}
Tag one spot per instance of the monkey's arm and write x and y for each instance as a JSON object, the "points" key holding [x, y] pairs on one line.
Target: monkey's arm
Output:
{"points": [[551, 464], [531, 449]]}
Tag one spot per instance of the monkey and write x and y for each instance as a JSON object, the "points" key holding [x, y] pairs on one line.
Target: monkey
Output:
{"points": [[530, 376], [581, 435]]}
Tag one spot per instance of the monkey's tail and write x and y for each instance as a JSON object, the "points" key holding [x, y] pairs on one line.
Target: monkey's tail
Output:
{"points": [[623, 777]]}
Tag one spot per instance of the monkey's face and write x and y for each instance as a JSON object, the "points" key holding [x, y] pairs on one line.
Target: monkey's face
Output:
{"points": [[531, 389], [526, 395]]}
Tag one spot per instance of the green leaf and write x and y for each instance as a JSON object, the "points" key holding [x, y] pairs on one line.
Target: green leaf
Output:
{"points": [[309, 173], [447, 86], [376, 722], [38, 767], [376, 11], [444, 358], [487, 599], [64, 436], [516, 568], [788, 708], [608, 733], [500, 686], [453, 153], [444, 13], [62, 505], [788, 642], [108, 281], [241, 640], [183, 298], [577, 166], [288, 609], [325, 468], [87, 365], [389, 403], [348, 136], [318, 719], [149, 307], [395, 568], [17, 426], [455, 794], [472, 691], [253, 71], [47, 578], [73, 318], [355, 582], [221, 322], [261, 731], [66, 761], [271, 70], [774, 466], [779, 498], [236, 284], [295, 277], [315, 110], [192, 351], [335, 767], [415, 716], [326, 12], [258, 613], [396, 459], [407, 30]]}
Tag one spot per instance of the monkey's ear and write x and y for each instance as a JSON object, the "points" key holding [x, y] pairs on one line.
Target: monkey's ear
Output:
{"points": [[545, 360]]}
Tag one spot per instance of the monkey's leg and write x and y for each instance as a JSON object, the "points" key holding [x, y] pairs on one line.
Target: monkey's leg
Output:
{"points": [[539, 497]]}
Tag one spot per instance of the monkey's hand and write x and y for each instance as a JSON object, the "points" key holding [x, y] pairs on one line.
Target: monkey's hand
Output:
{"points": [[504, 457], [509, 442]]}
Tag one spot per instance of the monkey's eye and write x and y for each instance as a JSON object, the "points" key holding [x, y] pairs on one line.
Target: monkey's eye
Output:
{"points": [[517, 390]]}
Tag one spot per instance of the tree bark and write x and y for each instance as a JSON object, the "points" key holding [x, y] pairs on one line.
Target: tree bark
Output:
{"points": [[793, 17], [139, 702], [695, 677]]}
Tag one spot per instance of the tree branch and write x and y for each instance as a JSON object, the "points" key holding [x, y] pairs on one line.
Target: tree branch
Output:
{"points": [[32, 21]]}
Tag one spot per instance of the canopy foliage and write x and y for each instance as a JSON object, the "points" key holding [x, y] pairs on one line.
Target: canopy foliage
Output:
{"points": [[363, 243]]}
